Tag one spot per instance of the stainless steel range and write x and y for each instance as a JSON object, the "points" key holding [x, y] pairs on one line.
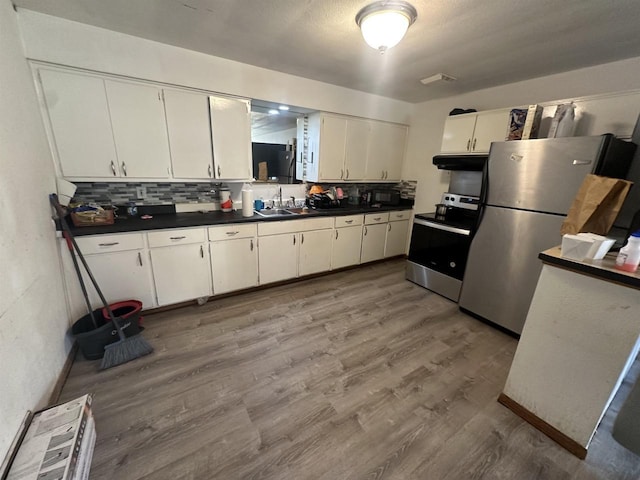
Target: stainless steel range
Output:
{"points": [[440, 245]]}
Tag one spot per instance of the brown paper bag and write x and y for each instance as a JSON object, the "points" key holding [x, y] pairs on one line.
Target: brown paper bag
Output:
{"points": [[262, 171], [596, 205]]}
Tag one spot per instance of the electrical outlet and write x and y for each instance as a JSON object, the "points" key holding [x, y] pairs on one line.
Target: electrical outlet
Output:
{"points": [[141, 193]]}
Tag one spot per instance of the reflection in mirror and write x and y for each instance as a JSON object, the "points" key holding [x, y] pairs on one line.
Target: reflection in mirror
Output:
{"points": [[274, 141]]}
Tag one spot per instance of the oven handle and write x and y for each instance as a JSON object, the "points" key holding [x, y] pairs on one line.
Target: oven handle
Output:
{"points": [[438, 226]]}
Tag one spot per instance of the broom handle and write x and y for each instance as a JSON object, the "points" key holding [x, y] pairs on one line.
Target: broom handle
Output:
{"points": [[53, 198], [79, 274]]}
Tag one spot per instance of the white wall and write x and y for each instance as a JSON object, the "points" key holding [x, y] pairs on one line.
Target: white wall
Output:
{"points": [[70, 43], [33, 314], [283, 137], [602, 113]]}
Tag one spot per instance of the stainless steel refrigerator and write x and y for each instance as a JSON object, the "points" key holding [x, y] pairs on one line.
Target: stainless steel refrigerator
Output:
{"points": [[529, 186]]}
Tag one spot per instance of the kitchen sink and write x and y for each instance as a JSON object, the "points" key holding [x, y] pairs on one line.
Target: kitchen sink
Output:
{"points": [[274, 212]]}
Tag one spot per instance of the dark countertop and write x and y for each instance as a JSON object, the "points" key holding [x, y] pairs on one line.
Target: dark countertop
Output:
{"points": [[603, 269], [196, 219]]}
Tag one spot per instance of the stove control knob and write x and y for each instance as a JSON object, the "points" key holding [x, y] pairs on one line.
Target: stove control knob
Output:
{"points": [[452, 264]]}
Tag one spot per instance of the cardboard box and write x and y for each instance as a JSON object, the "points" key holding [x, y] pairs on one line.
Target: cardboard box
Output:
{"points": [[532, 122], [517, 118], [58, 443]]}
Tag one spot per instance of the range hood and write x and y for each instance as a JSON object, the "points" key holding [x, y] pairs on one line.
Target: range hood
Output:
{"points": [[460, 162]]}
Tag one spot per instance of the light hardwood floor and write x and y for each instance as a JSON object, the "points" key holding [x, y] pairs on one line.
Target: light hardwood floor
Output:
{"points": [[354, 375]]}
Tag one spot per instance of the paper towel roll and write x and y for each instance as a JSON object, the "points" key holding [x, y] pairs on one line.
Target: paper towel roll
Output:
{"points": [[247, 203]]}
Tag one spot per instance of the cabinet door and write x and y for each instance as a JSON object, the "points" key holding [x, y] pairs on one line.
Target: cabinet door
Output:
{"points": [[121, 276], [278, 257], [396, 243], [356, 149], [315, 252], [231, 135], [386, 151], [490, 127], [189, 134], [347, 242], [333, 133], [458, 133], [373, 238], [80, 123], [139, 129], [234, 264], [181, 272]]}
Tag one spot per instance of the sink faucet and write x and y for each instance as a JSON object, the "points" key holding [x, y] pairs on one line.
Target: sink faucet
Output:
{"points": [[280, 194], [292, 200]]}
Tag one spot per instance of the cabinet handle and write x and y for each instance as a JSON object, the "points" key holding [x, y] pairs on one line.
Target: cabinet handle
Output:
{"points": [[347, 174], [201, 252], [389, 227], [251, 243], [113, 168], [468, 144], [348, 221], [473, 147], [140, 258], [219, 173], [108, 244], [365, 230], [177, 238], [124, 168], [301, 239], [377, 219], [232, 233], [210, 172], [294, 239], [311, 157], [341, 174], [382, 176], [336, 234]]}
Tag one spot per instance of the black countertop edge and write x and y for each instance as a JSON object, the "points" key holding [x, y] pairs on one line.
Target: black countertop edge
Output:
{"points": [[196, 219], [593, 269]]}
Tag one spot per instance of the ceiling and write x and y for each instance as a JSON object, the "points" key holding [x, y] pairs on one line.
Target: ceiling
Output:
{"points": [[483, 43]]}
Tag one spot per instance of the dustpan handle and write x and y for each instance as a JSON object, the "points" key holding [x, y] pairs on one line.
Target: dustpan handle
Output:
{"points": [[53, 198]]}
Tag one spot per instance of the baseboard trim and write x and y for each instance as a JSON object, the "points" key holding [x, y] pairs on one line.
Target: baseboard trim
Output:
{"points": [[549, 430], [66, 368]]}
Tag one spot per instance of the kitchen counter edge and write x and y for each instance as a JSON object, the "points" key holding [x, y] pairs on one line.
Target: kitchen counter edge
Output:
{"points": [[603, 269], [197, 219]]}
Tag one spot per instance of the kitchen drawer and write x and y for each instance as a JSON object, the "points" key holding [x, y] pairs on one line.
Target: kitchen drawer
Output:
{"points": [[397, 216], [373, 218], [110, 243], [165, 238], [294, 226], [349, 221], [232, 231]]}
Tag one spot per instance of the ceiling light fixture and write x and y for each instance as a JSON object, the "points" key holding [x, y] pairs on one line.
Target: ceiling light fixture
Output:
{"points": [[283, 107], [273, 111], [385, 23], [437, 77]]}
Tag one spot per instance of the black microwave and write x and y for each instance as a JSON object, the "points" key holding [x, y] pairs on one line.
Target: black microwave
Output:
{"points": [[386, 197]]}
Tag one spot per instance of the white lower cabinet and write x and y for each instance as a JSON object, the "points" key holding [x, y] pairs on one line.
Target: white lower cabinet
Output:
{"points": [[234, 264], [278, 257], [373, 240], [181, 272], [345, 251], [396, 242], [180, 263], [315, 252]]}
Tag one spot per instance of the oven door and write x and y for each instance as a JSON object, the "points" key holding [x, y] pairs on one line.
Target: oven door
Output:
{"points": [[439, 247]]}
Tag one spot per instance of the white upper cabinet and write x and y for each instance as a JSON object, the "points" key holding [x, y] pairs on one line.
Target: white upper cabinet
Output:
{"points": [[189, 134], [356, 149], [386, 151], [231, 135], [139, 129], [342, 148], [80, 123], [474, 132]]}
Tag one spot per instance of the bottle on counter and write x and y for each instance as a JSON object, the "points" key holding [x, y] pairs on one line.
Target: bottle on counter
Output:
{"points": [[629, 256], [226, 204], [247, 200]]}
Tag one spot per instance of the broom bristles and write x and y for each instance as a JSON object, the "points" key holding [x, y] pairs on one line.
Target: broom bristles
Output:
{"points": [[124, 351]]}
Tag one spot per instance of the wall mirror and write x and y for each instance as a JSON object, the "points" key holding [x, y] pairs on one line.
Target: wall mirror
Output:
{"points": [[274, 141]]}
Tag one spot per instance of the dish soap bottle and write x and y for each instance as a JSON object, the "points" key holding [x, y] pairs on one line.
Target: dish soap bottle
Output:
{"points": [[629, 255], [247, 200]]}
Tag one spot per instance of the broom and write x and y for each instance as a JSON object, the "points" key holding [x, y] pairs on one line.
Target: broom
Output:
{"points": [[125, 349]]}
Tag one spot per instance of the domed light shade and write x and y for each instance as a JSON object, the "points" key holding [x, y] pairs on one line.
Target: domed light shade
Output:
{"points": [[385, 23]]}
